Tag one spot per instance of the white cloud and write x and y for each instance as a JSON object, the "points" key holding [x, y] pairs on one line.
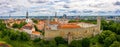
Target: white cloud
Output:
{"points": [[50, 6]]}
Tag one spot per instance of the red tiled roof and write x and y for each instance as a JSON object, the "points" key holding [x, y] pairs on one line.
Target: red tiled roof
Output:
{"points": [[53, 22], [41, 22], [27, 26], [40, 25], [35, 32], [64, 26]]}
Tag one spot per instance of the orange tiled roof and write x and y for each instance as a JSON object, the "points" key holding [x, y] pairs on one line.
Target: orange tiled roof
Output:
{"points": [[64, 26], [40, 25], [41, 22], [35, 32], [27, 26]]}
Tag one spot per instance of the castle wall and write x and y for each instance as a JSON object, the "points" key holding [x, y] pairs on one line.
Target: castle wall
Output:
{"points": [[77, 33]]}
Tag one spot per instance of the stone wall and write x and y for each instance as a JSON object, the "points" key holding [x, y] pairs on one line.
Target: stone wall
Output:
{"points": [[77, 33]]}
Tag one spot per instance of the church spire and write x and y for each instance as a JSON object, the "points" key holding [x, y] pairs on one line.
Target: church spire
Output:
{"points": [[55, 14], [26, 14]]}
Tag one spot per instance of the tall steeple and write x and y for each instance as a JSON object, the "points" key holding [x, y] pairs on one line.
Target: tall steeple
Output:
{"points": [[55, 18], [27, 15], [28, 20], [55, 14]]}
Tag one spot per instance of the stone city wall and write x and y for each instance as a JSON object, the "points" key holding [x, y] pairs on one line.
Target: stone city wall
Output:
{"points": [[77, 33]]}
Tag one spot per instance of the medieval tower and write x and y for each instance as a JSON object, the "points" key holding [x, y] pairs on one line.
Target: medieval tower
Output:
{"points": [[70, 38], [99, 23]]}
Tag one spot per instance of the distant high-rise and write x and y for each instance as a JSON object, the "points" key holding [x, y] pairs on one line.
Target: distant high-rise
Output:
{"points": [[64, 16], [9, 15], [77, 18]]}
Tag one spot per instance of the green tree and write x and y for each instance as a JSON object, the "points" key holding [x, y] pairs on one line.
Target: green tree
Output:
{"points": [[2, 25], [76, 43], [36, 40], [108, 40], [118, 38], [35, 21], [14, 35], [15, 25], [22, 24], [52, 43], [62, 45], [0, 34], [104, 25], [104, 35], [115, 44], [85, 42], [71, 21], [24, 36], [6, 32], [60, 40]]}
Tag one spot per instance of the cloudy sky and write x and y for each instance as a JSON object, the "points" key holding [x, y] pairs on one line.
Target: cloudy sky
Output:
{"points": [[69, 7]]}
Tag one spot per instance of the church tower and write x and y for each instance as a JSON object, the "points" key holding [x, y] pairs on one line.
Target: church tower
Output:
{"points": [[99, 22], [28, 20]]}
